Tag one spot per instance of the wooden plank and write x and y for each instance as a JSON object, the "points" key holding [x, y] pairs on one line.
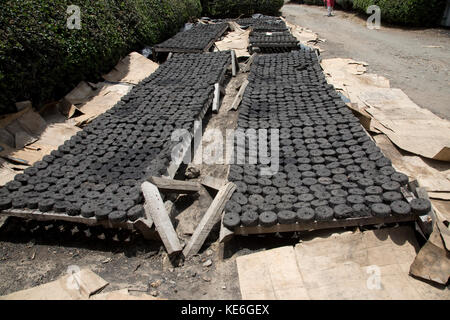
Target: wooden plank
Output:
{"points": [[211, 217], [188, 143], [249, 62], [3, 220], [213, 183], [175, 186], [225, 233], [233, 63], [428, 221], [216, 101], [53, 216], [317, 225], [144, 226], [237, 100], [160, 218]]}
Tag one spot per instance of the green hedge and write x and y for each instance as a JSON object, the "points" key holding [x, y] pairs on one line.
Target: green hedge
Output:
{"points": [[406, 12], [41, 59], [235, 8]]}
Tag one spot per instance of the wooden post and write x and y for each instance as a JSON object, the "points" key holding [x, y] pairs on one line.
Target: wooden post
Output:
{"points": [[426, 222], [237, 100], [175, 186], [233, 63], [249, 62], [216, 101], [225, 233], [211, 217], [213, 183], [160, 218]]}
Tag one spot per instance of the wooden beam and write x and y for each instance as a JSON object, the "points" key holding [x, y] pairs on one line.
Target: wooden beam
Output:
{"points": [[225, 233], [213, 183], [237, 100], [233, 63], [53, 216], [216, 101], [175, 186], [211, 217], [318, 225], [144, 226], [3, 220], [160, 218], [428, 221], [249, 62]]}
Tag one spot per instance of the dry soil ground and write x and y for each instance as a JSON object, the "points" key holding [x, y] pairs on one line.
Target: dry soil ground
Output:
{"points": [[415, 60]]}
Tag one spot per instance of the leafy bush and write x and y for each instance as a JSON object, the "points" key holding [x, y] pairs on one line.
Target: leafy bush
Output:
{"points": [[235, 8], [406, 12], [40, 58], [345, 4]]}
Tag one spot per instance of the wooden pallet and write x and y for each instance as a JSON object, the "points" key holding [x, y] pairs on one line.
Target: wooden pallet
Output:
{"points": [[143, 225], [317, 225], [188, 144]]}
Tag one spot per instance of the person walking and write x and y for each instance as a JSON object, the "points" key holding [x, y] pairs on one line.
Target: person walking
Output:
{"points": [[330, 6]]}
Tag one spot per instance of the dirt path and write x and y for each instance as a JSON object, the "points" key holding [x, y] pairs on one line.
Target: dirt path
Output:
{"points": [[400, 55]]}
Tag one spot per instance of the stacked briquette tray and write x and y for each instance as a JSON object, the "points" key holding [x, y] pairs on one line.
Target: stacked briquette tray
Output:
{"points": [[97, 173], [199, 38], [269, 35], [330, 172]]}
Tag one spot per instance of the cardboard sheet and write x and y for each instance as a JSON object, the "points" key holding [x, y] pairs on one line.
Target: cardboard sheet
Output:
{"points": [[433, 175], [362, 265], [236, 40], [87, 101], [433, 261], [132, 69], [78, 286], [408, 126], [304, 35]]}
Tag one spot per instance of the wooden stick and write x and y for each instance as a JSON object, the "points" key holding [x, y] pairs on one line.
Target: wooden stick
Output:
{"points": [[225, 233], [211, 217], [233, 63], [213, 183], [160, 218], [175, 186], [216, 101], [237, 100]]}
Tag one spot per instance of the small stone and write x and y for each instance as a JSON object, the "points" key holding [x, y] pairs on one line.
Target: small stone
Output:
{"points": [[154, 293], [209, 252], [192, 173], [171, 269], [207, 263], [224, 287], [207, 279], [155, 284]]}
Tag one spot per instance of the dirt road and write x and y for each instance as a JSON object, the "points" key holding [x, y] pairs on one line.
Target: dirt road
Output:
{"points": [[416, 61]]}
